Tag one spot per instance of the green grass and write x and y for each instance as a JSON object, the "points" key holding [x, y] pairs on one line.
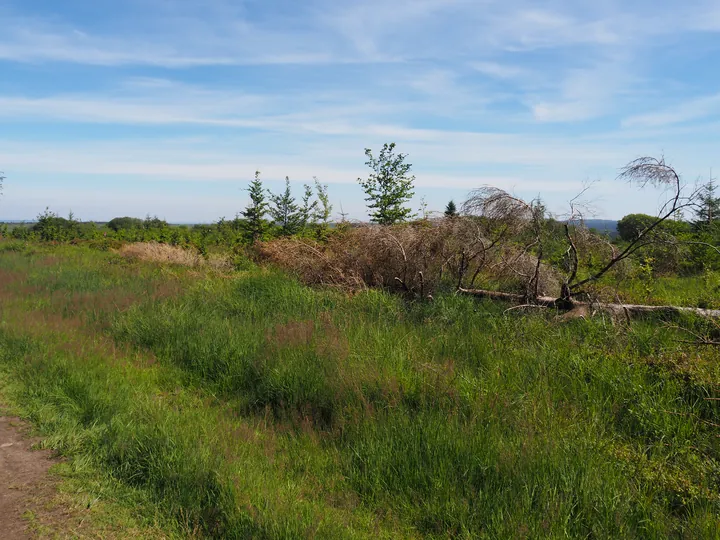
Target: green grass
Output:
{"points": [[250, 405], [694, 291]]}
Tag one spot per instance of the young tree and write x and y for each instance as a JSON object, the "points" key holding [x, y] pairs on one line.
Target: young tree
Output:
{"points": [[389, 187], [254, 214], [708, 206], [154, 222], [323, 208], [285, 212], [423, 211], [308, 210], [451, 209]]}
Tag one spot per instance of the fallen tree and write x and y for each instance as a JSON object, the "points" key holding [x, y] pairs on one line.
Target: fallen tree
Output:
{"points": [[500, 207], [627, 310]]}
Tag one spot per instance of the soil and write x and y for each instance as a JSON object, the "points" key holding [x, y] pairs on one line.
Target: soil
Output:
{"points": [[24, 482]]}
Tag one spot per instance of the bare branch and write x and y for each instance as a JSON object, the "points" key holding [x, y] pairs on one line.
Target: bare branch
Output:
{"points": [[644, 171], [499, 206]]}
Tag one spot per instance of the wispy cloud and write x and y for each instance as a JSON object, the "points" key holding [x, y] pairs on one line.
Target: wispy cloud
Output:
{"points": [[585, 94], [536, 97], [706, 108]]}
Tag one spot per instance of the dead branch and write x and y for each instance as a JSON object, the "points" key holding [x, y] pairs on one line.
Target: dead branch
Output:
{"points": [[644, 171]]}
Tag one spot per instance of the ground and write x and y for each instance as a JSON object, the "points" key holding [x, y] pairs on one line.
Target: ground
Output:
{"points": [[27, 491]]}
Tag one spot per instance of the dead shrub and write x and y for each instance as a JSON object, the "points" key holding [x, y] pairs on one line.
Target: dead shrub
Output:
{"points": [[410, 258], [512, 269]]}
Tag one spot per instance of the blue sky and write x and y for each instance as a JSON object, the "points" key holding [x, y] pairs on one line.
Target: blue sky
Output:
{"points": [[169, 106]]}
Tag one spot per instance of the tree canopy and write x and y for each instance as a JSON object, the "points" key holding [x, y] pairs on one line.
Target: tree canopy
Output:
{"points": [[389, 186]]}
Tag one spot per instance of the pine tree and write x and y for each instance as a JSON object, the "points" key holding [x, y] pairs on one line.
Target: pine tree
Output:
{"points": [[389, 187], [451, 209], [255, 224], [708, 211], [308, 210], [285, 212]]}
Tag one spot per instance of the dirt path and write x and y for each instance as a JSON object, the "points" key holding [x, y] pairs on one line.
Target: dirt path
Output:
{"points": [[24, 482]]}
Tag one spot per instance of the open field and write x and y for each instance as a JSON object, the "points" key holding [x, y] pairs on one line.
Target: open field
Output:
{"points": [[212, 402]]}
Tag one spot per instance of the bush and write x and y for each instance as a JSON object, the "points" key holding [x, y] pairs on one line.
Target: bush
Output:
{"points": [[120, 223]]}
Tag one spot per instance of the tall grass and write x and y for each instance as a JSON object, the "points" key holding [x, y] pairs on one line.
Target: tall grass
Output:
{"points": [[455, 417], [290, 411]]}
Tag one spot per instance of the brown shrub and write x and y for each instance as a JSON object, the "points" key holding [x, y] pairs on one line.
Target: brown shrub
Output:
{"points": [[411, 258]]}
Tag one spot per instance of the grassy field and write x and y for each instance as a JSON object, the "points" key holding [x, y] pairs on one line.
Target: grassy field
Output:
{"points": [[243, 404]]}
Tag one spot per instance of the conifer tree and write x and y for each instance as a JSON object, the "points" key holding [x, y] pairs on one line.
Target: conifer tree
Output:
{"points": [[708, 206], [451, 209], [255, 224], [285, 212]]}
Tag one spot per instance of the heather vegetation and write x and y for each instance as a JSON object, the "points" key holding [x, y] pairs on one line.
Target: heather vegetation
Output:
{"points": [[279, 375]]}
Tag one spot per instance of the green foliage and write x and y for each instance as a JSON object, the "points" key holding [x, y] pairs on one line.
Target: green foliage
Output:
{"points": [[286, 213], [308, 210], [323, 209], [632, 225], [451, 209], [707, 213], [119, 223], [52, 228], [389, 186], [21, 232], [154, 223], [255, 225]]}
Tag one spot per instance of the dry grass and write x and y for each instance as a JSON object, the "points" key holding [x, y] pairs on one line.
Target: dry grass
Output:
{"points": [[166, 254]]}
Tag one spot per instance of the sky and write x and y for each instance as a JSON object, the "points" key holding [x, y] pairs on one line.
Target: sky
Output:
{"points": [[168, 107]]}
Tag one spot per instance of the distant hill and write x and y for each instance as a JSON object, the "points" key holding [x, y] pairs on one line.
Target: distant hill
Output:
{"points": [[608, 226]]}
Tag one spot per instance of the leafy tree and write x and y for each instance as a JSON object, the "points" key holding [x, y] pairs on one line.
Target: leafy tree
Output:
{"points": [[389, 187], [632, 225], [285, 211], [708, 211], [255, 224], [125, 223], [451, 209]]}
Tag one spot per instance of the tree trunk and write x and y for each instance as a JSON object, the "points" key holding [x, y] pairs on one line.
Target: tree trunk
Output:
{"points": [[631, 310]]}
